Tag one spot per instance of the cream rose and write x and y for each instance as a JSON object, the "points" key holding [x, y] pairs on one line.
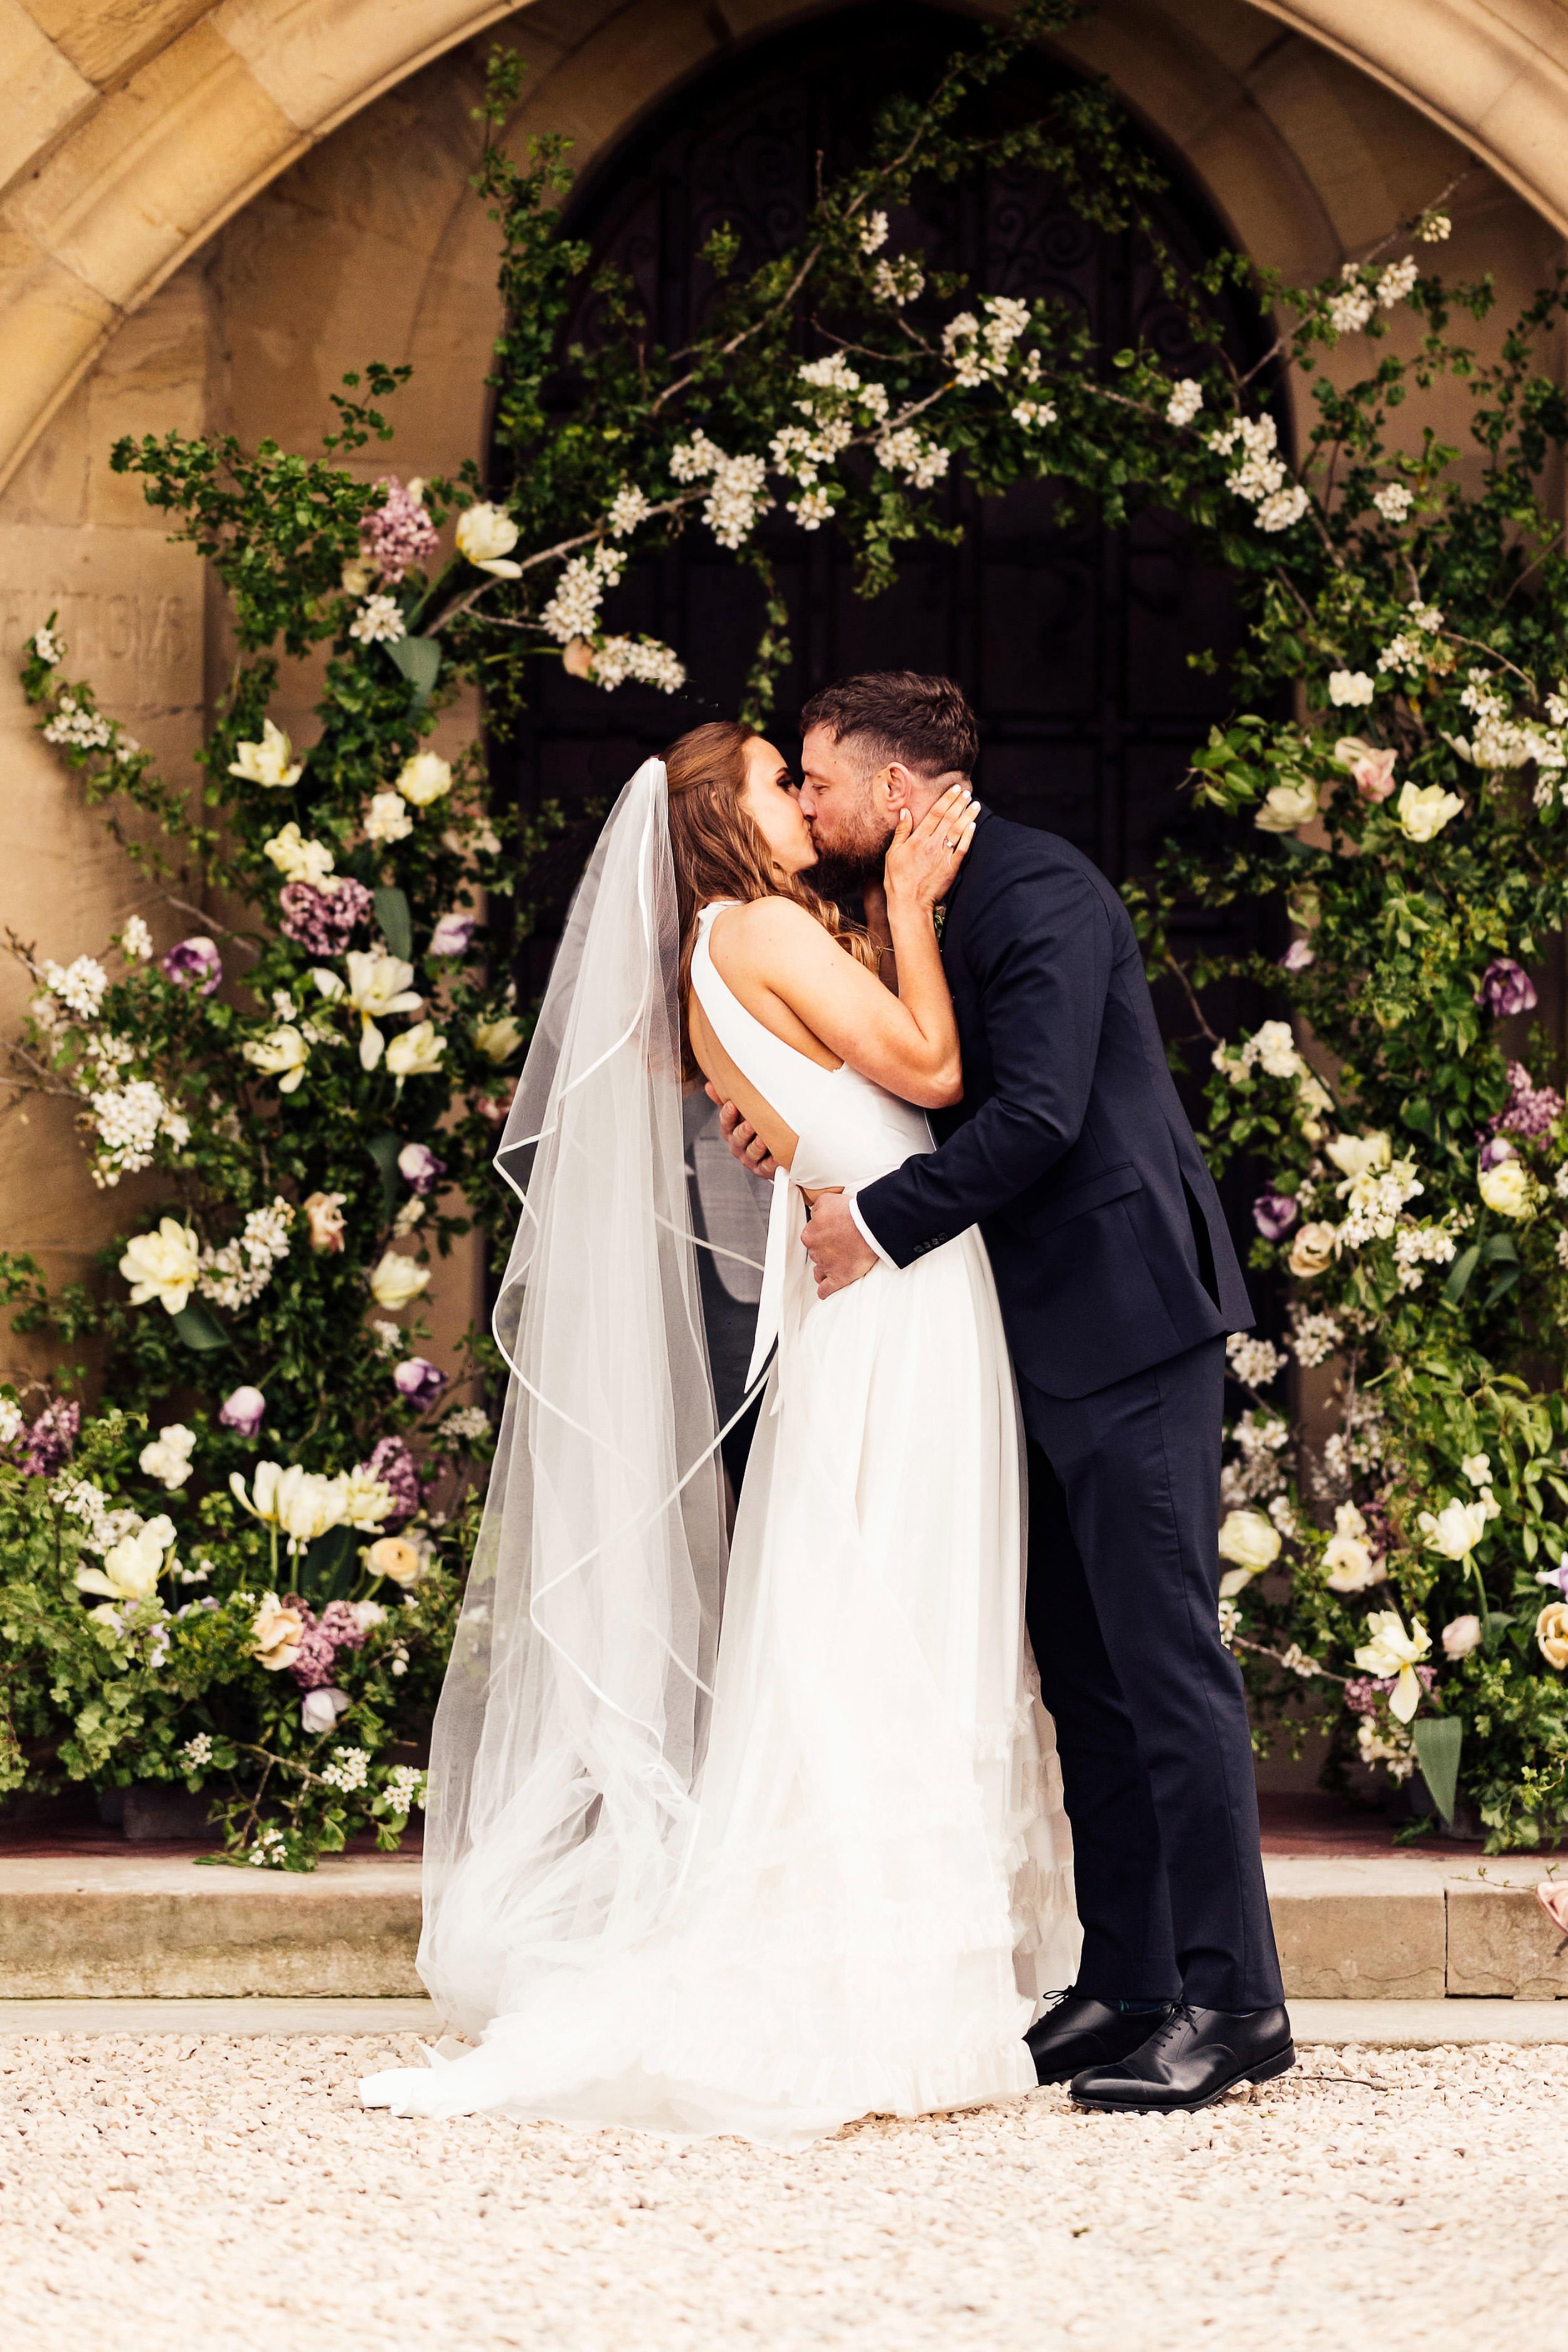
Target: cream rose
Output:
{"points": [[1509, 1188], [424, 778], [168, 1456], [162, 1265], [1312, 1251], [276, 1633], [387, 818], [1252, 1542], [1286, 806], [1551, 1634], [1423, 810], [487, 535], [394, 1557], [397, 1280]]}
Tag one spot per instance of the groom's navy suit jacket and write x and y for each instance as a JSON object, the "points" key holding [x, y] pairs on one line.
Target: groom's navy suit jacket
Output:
{"points": [[1069, 1147]]}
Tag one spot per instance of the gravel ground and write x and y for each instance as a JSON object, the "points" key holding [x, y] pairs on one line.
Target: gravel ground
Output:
{"points": [[221, 2194]]}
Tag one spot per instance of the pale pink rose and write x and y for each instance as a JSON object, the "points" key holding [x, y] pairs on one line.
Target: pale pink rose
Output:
{"points": [[324, 1215], [1372, 774]]}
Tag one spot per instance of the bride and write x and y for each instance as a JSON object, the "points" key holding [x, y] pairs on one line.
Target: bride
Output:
{"points": [[763, 1849]]}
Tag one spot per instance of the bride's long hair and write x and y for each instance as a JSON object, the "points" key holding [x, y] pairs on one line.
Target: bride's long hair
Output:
{"points": [[719, 851]]}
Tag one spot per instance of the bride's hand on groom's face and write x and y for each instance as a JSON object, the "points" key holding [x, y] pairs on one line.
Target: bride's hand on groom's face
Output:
{"points": [[745, 1144], [923, 858]]}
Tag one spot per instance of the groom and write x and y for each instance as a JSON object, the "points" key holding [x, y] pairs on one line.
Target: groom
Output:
{"points": [[1118, 1283]]}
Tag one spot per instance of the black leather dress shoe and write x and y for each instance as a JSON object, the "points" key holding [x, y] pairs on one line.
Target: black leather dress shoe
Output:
{"points": [[1081, 2031], [1190, 2060]]}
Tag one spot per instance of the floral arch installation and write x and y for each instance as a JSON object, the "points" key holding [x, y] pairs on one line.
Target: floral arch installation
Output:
{"points": [[1071, 639]]}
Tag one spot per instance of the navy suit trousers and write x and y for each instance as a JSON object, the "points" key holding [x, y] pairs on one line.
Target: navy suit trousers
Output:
{"points": [[1150, 1717]]}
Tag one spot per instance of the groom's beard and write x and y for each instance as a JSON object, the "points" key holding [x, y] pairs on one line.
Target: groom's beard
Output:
{"points": [[843, 871]]}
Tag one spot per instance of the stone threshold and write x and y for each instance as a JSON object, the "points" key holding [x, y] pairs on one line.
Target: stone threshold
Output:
{"points": [[1317, 2024], [140, 1926]]}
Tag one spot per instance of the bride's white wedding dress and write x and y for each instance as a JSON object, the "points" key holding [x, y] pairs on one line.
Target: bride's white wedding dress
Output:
{"points": [[879, 1882]]}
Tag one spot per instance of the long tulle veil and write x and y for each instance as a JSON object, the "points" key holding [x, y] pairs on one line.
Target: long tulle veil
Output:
{"points": [[575, 1706]]}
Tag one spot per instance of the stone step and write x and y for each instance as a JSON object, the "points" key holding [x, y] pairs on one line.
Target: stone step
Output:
{"points": [[140, 1926]]}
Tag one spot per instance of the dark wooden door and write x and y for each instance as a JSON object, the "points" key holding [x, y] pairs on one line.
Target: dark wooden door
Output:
{"points": [[1071, 639]]}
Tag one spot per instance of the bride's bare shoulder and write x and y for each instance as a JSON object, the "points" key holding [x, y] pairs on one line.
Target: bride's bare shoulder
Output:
{"points": [[759, 930]]}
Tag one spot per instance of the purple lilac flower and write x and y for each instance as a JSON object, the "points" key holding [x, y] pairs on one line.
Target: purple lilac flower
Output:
{"points": [[452, 934], [314, 1663], [1297, 957], [399, 534], [1534, 1110], [419, 1380], [394, 1464], [340, 1625], [51, 1439], [322, 921], [1362, 1694], [243, 1411], [1506, 988], [1274, 1214], [193, 963], [419, 1168]]}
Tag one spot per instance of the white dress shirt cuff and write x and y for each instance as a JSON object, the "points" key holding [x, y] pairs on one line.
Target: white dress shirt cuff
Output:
{"points": [[866, 1235]]}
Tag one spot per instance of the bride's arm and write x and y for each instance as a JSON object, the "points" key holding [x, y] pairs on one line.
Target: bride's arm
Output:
{"points": [[906, 1043]]}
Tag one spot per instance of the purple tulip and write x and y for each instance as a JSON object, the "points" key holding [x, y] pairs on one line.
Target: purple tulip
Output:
{"points": [[1274, 1214], [194, 964], [1506, 988], [1297, 957], [242, 1411], [452, 934], [1495, 1152], [419, 1168], [419, 1380]]}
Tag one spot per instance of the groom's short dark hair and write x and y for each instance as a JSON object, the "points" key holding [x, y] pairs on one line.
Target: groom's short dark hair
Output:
{"points": [[925, 723]]}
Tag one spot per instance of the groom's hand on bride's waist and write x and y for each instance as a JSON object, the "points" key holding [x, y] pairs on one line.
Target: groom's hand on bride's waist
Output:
{"points": [[742, 1139], [838, 1250]]}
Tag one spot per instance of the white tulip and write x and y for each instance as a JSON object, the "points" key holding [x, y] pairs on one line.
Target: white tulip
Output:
{"points": [[162, 1265], [319, 1709], [378, 985], [282, 1054], [1357, 1155], [132, 1567], [497, 1040], [271, 761], [424, 778], [1423, 810], [1455, 1529], [416, 1051], [1392, 1651], [487, 535]]}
